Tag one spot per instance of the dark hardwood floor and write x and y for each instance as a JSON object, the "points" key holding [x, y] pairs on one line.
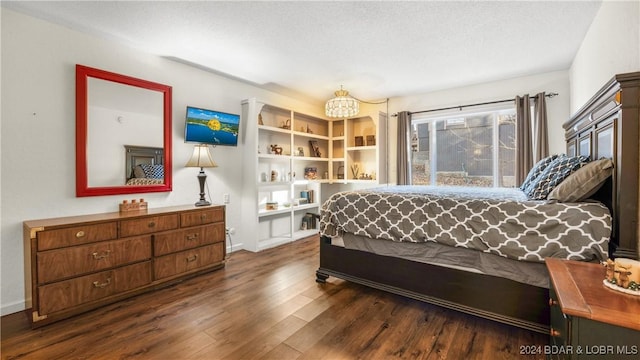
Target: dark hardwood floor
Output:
{"points": [[267, 305]]}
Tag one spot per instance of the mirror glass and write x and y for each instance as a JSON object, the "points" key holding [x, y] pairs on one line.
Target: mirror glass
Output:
{"points": [[123, 134]]}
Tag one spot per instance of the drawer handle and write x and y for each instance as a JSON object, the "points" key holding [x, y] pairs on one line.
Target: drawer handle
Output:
{"points": [[80, 234], [152, 224], [105, 254], [99, 285], [553, 332], [553, 302], [192, 258], [192, 237]]}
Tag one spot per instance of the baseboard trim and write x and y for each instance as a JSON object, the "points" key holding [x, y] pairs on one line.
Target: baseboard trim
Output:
{"points": [[12, 308]]}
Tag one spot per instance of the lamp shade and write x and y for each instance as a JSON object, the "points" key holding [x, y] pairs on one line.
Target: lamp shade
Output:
{"points": [[201, 157], [342, 105]]}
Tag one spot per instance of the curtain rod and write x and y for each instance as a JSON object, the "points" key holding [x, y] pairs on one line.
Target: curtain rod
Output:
{"points": [[550, 95]]}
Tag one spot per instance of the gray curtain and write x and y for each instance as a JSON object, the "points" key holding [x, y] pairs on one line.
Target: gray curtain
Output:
{"points": [[530, 148], [541, 136], [524, 151], [404, 160]]}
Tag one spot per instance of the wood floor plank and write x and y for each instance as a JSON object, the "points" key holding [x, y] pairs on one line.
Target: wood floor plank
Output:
{"points": [[402, 329], [269, 340], [281, 352], [266, 305]]}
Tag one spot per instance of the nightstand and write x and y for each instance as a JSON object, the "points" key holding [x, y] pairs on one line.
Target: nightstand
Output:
{"points": [[589, 320]]}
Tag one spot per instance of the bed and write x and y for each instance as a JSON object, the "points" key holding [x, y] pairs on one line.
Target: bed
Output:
{"points": [[144, 165], [494, 266]]}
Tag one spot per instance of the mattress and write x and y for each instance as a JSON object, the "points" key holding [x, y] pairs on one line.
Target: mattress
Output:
{"points": [[498, 221]]}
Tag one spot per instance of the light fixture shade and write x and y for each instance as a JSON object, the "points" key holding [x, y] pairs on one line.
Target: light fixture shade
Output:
{"points": [[342, 105], [201, 157]]}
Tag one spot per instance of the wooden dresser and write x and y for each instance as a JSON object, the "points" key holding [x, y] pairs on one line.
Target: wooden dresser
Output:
{"points": [[75, 264], [589, 320]]}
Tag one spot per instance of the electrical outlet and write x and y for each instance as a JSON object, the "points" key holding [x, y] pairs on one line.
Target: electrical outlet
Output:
{"points": [[231, 231], [225, 198]]}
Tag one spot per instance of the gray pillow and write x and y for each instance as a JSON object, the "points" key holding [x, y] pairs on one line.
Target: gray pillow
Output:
{"points": [[553, 175], [584, 182], [138, 172], [536, 170]]}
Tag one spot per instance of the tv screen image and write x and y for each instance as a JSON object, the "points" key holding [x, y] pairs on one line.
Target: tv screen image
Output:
{"points": [[205, 126]]}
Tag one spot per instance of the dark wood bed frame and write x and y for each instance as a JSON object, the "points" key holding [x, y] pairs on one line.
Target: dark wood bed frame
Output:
{"points": [[607, 125], [136, 155]]}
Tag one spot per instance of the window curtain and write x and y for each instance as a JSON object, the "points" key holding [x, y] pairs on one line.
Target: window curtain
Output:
{"points": [[541, 136], [404, 160], [531, 134]]}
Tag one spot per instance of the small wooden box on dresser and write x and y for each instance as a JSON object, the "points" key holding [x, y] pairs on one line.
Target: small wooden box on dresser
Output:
{"points": [[75, 264], [589, 320]]}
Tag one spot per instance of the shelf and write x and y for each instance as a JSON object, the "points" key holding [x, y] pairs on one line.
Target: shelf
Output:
{"points": [[310, 135], [306, 207], [274, 156], [285, 210], [310, 158], [305, 233], [374, 181], [280, 210], [273, 184], [274, 129], [361, 148]]}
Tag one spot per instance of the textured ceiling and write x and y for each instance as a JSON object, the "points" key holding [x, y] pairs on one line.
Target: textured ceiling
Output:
{"points": [[376, 49]]}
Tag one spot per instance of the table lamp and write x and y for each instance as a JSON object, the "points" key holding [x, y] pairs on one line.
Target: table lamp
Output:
{"points": [[201, 158]]}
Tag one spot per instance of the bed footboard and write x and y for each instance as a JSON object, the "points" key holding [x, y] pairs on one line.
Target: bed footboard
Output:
{"points": [[490, 297]]}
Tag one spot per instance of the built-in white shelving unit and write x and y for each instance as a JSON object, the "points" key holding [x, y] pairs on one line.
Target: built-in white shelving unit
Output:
{"points": [[288, 144]]}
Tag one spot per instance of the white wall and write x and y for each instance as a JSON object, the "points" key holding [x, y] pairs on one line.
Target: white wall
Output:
{"points": [[38, 132], [557, 107], [611, 46]]}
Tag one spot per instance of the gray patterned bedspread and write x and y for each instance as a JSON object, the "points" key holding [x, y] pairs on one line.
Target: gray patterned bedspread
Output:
{"points": [[499, 221]]}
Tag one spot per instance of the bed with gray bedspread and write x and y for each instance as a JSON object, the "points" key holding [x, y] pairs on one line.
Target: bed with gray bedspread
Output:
{"points": [[499, 221]]}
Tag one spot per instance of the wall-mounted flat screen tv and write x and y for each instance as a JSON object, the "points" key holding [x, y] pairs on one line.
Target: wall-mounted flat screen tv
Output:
{"points": [[205, 126]]}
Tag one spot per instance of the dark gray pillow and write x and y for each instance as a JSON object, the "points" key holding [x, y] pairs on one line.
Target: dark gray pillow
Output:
{"points": [[536, 170], [553, 175], [583, 183]]}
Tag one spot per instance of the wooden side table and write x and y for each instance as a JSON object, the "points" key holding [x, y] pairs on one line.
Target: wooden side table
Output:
{"points": [[589, 320]]}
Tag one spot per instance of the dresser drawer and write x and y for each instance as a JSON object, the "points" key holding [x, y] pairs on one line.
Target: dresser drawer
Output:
{"points": [[174, 241], [77, 235], [67, 294], [148, 225], [185, 261], [59, 264], [202, 217]]}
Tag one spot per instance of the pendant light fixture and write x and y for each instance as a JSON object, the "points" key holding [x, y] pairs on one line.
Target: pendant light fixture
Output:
{"points": [[342, 105]]}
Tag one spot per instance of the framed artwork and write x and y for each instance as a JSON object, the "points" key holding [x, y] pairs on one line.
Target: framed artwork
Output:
{"points": [[315, 149], [371, 140]]}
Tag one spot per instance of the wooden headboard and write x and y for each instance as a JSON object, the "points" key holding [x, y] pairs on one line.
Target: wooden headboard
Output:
{"points": [[136, 155], [607, 126]]}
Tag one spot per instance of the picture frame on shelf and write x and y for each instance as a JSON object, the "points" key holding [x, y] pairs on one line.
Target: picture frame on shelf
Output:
{"points": [[310, 173], [371, 140], [359, 141], [315, 149]]}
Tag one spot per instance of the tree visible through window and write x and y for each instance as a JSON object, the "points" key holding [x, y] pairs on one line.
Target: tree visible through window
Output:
{"points": [[461, 150]]}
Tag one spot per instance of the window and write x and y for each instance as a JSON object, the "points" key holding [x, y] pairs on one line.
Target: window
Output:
{"points": [[464, 149]]}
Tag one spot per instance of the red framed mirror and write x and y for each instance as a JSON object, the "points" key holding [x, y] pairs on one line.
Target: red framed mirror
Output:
{"points": [[115, 113]]}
